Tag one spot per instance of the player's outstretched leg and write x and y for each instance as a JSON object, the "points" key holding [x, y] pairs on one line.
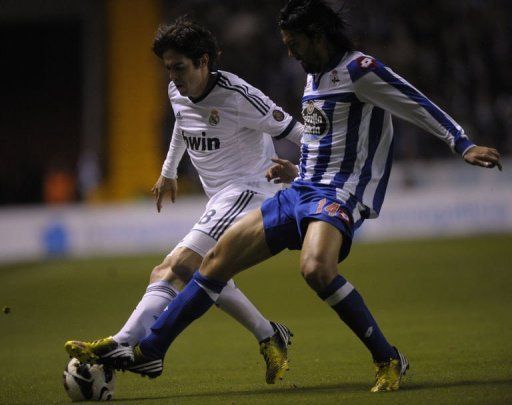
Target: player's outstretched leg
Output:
{"points": [[242, 246]]}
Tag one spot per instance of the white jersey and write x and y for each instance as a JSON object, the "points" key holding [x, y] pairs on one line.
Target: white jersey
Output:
{"points": [[227, 134], [348, 131]]}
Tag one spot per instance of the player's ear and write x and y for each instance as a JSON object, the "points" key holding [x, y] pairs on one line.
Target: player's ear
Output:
{"points": [[204, 60]]}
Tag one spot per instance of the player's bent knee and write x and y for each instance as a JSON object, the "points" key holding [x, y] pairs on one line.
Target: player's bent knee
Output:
{"points": [[215, 266], [183, 272], [310, 274], [180, 268], [158, 273], [175, 269], [209, 261], [317, 274]]}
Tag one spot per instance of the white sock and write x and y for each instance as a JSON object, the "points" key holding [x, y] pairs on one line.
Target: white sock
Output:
{"points": [[235, 303], [158, 295]]}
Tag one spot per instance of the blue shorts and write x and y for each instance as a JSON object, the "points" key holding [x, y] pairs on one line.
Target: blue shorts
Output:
{"points": [[287, 214]]}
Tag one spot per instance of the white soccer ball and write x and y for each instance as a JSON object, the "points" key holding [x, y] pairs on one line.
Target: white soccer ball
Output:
{"points": [[88, 382]]}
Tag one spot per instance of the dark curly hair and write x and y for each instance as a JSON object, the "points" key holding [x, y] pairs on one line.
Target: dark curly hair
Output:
{"points": [[315, 17], [189, 38]]}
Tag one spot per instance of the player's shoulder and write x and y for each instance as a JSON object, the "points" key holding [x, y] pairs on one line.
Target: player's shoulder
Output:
{"points": [[231, 81], [246, 97], [230, 78], [359, 64]]}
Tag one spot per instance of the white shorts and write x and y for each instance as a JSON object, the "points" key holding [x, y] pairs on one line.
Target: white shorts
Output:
{"points": [[222, 211]]}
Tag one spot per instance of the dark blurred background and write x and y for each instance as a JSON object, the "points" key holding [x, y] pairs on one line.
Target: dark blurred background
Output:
{"points": [[83, 109]]}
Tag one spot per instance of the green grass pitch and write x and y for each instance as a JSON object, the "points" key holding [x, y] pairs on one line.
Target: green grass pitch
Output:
{"points": [[446, 303]]}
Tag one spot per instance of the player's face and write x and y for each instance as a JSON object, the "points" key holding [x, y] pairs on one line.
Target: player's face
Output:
{"points": [[190, 80], [305, 49]]}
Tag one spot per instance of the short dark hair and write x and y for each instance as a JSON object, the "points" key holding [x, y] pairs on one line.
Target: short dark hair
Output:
{"points": [[189, 38], [315, 17]]}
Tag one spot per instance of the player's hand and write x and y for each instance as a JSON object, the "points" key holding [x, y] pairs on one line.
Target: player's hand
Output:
{"points": [[162, 187], [483, 156], [283, 171]]}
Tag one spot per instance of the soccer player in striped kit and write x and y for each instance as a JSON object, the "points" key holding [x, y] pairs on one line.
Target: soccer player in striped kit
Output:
{"points": [[225, 124], [345, 164]]}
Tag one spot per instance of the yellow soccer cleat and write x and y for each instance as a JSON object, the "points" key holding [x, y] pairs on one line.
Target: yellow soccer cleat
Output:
{"points": [[102, 351], [275, 352], [388, 375]]}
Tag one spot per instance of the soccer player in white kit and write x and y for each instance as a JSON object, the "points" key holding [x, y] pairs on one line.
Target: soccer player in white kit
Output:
{"points": [[346, 158], [226, 125]]}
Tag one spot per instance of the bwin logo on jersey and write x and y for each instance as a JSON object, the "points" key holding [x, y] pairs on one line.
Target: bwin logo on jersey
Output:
{"points": [[315, 121], [201, 143]]}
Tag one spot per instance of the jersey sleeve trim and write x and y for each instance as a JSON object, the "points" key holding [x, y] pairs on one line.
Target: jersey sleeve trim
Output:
{"points": [[461, 142], [287, 130], [360, 67], [256, 101]]}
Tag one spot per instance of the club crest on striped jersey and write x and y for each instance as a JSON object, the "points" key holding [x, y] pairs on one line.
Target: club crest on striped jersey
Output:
{"points": [[316, 123], [214, 118], [334, 77]]}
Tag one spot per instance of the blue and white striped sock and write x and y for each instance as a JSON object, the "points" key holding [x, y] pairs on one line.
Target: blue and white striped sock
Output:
{"points": [[350, 307]]}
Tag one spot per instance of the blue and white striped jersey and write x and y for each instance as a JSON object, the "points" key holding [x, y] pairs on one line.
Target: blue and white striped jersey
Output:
{"points": [[348, 132]]}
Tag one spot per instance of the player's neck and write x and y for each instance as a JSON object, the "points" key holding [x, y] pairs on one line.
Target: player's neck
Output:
{"points": [[211, 80], [332, 62], [331, 58]]}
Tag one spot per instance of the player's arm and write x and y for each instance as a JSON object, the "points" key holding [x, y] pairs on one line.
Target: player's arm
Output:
{"points": [[258, 111], [292, 132], [375, 83], [167, 183]]}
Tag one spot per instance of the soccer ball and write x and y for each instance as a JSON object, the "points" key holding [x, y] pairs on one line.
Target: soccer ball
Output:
{"points": [[88, 382]]}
